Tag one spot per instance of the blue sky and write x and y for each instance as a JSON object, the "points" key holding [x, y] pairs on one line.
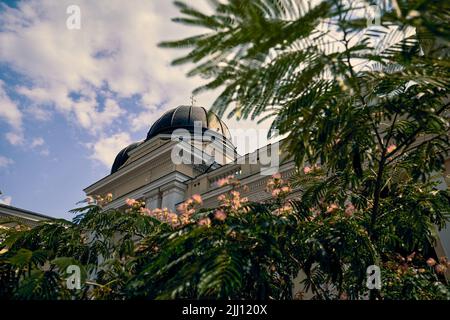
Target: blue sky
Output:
{"points": [[71, 99]]}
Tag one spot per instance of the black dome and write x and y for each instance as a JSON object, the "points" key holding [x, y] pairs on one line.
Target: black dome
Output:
{"points": [[123, 156], [183, 117]]}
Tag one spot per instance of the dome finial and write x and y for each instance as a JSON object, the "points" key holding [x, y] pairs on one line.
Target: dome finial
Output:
{"points": [[193, 100]]}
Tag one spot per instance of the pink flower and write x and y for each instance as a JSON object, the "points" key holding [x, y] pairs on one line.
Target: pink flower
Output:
{"points": [[391, 148], [315, 212], [431, 262], [276, 192], [220, 215], [244, 199], [173, 219], [182, 207], [287, 209], [286, 189], [236, 203], [221, 197], [223, 181], [235, 193], [204, 222], [276, 175], [440, 268], [184, 219], [332, 207], [270, 183], [145, 211], [130, 202], [109, 197], [197, 198], [157, 213], [349, 209], [307, 170], [343, 296]]}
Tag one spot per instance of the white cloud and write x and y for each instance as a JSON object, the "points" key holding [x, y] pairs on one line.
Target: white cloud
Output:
{"points": [[5, 162], [15, 138], [144, 119], [9, 111], [116, 45], [113, 55], [106, 149], [37, 142], [6, 200]]}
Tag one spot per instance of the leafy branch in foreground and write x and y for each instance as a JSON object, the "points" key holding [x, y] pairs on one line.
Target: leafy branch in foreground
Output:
{"points": [[364, 100], [239, 250]]}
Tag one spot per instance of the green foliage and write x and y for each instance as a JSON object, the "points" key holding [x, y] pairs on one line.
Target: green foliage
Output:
{"points": [[341, 91], [239, 250], [368, 102]]}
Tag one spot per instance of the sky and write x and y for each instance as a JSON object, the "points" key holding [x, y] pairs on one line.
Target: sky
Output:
{"points": [[70, 99]]}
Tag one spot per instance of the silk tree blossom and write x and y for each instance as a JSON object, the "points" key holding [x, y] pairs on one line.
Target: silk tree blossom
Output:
{"points": [[145, 211], [205, 222], [332, 207], [235, 193], [315, 212], [431, 262], [440, 268], [197, 199], [277, 187], [235, 200], [310, 169], [391, 148], [220, 215], [109, 197], [130, 202], [172, 219], [279, 190], [166, 216], [276, 192], [349, 209], [285, 210], [276, 176], [232, 200], [444, 260], [270, 183], [187, 209], [225, 181], [222, 182], [275, 182]]}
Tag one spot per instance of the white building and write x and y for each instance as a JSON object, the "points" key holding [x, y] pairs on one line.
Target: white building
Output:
{"points": [[147, 171]]}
